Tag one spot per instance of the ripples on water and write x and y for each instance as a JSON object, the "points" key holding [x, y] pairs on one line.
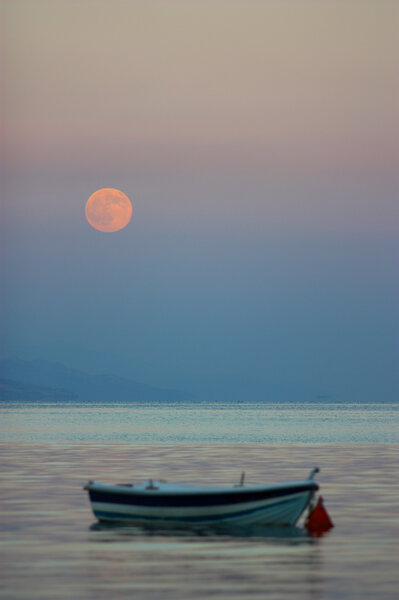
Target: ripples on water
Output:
{"points": [[202, 422], [51, 547]]}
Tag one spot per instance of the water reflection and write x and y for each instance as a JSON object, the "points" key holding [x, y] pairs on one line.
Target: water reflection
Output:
{"points": [[193, 564], [48, 549], [120, 532]]}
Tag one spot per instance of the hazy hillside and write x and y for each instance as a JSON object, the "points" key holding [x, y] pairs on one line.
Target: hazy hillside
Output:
{"points": [[15, 390], [85, 386], [212, 385]]}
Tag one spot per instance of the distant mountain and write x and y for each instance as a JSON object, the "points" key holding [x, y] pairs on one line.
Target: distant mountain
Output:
{"points": [[89, 360], [212, 385], [87, 387], [15, 390]]}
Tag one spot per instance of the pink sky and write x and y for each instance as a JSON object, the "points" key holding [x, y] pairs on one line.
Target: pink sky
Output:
{"points": [[288, 86]]}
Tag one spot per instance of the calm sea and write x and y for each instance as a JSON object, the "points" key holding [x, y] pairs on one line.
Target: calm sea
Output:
{"points": [[201, 422], [51, 547]]}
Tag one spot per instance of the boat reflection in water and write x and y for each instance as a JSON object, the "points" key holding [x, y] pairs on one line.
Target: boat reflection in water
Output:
{"points": [[121, 532]]}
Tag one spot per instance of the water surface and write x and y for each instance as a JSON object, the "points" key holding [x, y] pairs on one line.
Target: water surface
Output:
{"points": [[187, 422], [50, 548]]}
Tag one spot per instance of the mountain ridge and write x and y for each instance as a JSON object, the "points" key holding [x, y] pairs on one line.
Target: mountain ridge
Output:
{"points": [[86, 386], [12, 391]]}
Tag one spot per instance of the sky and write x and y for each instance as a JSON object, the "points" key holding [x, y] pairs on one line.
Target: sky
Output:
{"points": [[258, 143]]}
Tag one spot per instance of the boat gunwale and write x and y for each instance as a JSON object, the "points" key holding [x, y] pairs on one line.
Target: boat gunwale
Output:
{"points": [[158, 499], [166, 489]]}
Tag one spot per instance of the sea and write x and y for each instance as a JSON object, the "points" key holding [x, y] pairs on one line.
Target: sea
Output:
{"points": [[52, 548]]}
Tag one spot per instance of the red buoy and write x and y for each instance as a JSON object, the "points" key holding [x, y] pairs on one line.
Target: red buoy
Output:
{"points": [[318, 520]]}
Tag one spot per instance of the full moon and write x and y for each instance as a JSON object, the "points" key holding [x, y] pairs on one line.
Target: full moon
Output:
{"points": [[108, 210]]}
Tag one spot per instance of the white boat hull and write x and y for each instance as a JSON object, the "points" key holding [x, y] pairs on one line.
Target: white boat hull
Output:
{"points": [[184, 505]]}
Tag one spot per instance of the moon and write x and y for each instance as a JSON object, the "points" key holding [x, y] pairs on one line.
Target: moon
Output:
{"points": [[108, 210]]}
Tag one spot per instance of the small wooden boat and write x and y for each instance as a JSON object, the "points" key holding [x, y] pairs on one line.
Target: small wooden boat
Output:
{"points": [[163, 503]]}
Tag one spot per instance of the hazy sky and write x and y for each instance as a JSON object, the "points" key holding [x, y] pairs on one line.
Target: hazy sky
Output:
{"points": [[258, 142]]}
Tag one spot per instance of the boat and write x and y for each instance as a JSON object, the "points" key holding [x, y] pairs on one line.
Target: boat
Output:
{"points": [[163, 503]]}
